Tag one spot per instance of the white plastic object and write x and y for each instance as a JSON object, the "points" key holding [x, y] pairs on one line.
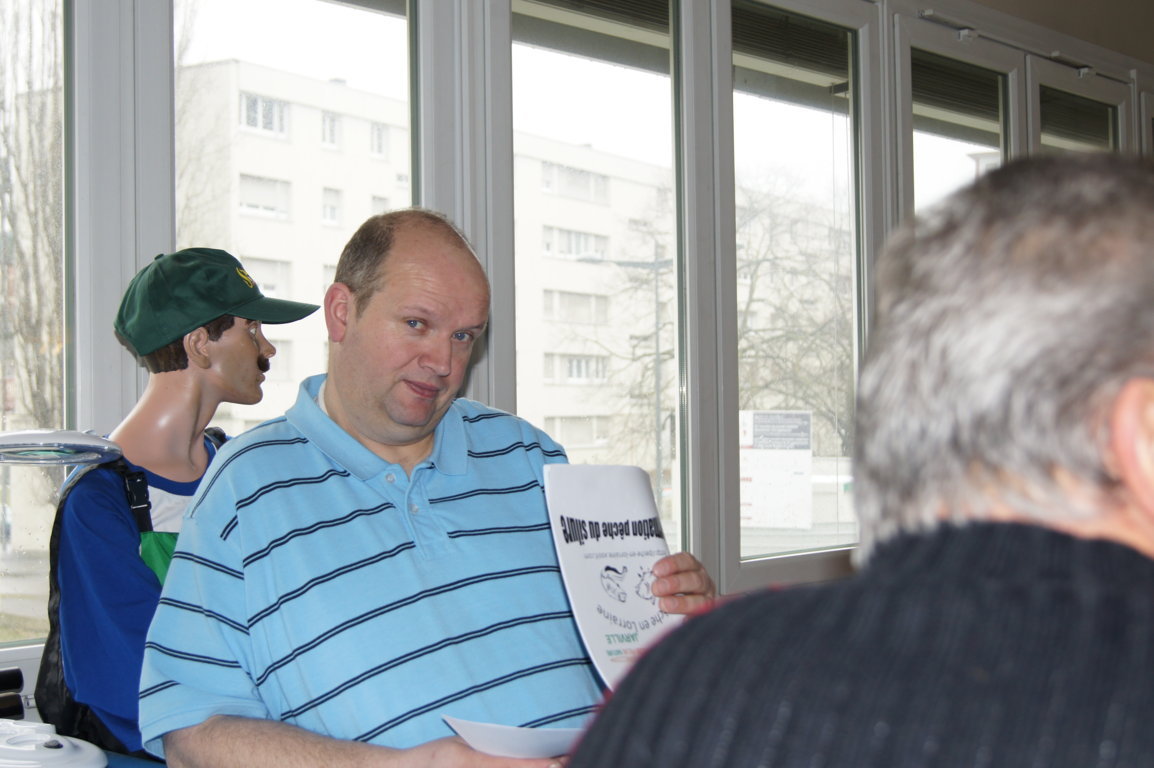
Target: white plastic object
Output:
{"points": [[36, 745]]}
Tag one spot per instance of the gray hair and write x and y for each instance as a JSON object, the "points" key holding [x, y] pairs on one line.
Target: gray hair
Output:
{"points": [[1006, 321]]}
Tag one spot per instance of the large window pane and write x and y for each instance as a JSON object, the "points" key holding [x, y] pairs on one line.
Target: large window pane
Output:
{"points": [[31, 294], [283, 149], [958, 124], [1072, 123], [796, 276], [595, 237]]}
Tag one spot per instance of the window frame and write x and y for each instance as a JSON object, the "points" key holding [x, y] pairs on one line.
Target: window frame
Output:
{"points": [[1146, 122], [961, 43], [1081, 80], [121, 195], [704, 53]]}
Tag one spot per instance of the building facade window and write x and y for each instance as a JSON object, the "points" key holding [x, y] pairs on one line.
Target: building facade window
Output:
{"points": [[379, 140], [330, 129], [570, 307], [576, 183], [576, 369], [263, 113], [331, 207], [579, 431], [272, 276], [571, 244], [264, 197]]}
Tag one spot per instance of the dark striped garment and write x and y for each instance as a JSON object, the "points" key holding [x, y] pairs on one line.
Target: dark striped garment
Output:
{"points": [[992, 646]]}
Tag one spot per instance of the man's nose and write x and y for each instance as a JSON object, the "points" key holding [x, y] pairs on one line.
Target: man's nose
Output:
{"points": [[438, 356]]}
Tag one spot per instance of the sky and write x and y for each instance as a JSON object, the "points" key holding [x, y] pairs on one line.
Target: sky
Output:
{"points": [[368, 50], [610, 108]]}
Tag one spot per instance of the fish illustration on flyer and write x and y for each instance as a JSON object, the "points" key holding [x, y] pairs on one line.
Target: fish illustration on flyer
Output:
{"points": [[608, 534]]}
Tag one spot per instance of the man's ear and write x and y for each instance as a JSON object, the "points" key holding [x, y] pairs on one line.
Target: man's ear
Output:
{"points": [[1132, 440], [340, 304], [196, 347]]}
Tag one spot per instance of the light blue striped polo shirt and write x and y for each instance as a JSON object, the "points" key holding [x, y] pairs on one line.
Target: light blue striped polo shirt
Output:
{"points": [[317, 584]]}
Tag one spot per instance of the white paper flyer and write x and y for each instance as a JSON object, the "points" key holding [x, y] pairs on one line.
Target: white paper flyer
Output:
{"points": [[608, 536]]}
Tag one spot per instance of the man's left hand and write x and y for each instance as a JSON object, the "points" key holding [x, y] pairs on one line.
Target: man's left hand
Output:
{"points": [[682, 584]]}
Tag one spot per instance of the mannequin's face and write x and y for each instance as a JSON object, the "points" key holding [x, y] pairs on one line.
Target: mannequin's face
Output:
{"points": [[240, 358]]}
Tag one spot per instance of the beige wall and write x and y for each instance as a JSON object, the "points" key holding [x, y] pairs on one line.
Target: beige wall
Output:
{"points": [[1124, 26]]}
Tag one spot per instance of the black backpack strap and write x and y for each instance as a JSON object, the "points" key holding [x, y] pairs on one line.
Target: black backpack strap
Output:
{"points": [[136, 492], [216, 436], [136, 485]]}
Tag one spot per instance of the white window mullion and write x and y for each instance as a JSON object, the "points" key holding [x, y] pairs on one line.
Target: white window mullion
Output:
{"points": [[120, 144], [703, 86]]}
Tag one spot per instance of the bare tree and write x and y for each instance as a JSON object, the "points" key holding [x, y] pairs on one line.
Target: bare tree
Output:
{"points": [[31, 213], [795, 324], [647, 374], [795, 313], [639, 345], [203, 141], [31, 282]]}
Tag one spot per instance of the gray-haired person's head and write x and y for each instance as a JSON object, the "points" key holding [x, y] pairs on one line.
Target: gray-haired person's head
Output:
{"points": [[1006, 321]]}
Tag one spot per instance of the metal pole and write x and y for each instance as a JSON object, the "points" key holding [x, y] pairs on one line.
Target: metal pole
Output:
{"points": [[660, 470]]}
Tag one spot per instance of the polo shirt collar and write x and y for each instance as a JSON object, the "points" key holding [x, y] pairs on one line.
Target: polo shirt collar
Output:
{"points": [[450, 454]]}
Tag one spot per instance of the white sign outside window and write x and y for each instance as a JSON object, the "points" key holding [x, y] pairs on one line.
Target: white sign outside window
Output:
{"points": [[776, 455]]}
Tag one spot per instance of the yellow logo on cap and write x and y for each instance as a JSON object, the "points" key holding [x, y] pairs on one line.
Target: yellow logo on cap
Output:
{"points": [[244, 276]]}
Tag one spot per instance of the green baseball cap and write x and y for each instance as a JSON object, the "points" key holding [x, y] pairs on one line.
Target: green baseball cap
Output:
{"points": [[179, 292]]}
